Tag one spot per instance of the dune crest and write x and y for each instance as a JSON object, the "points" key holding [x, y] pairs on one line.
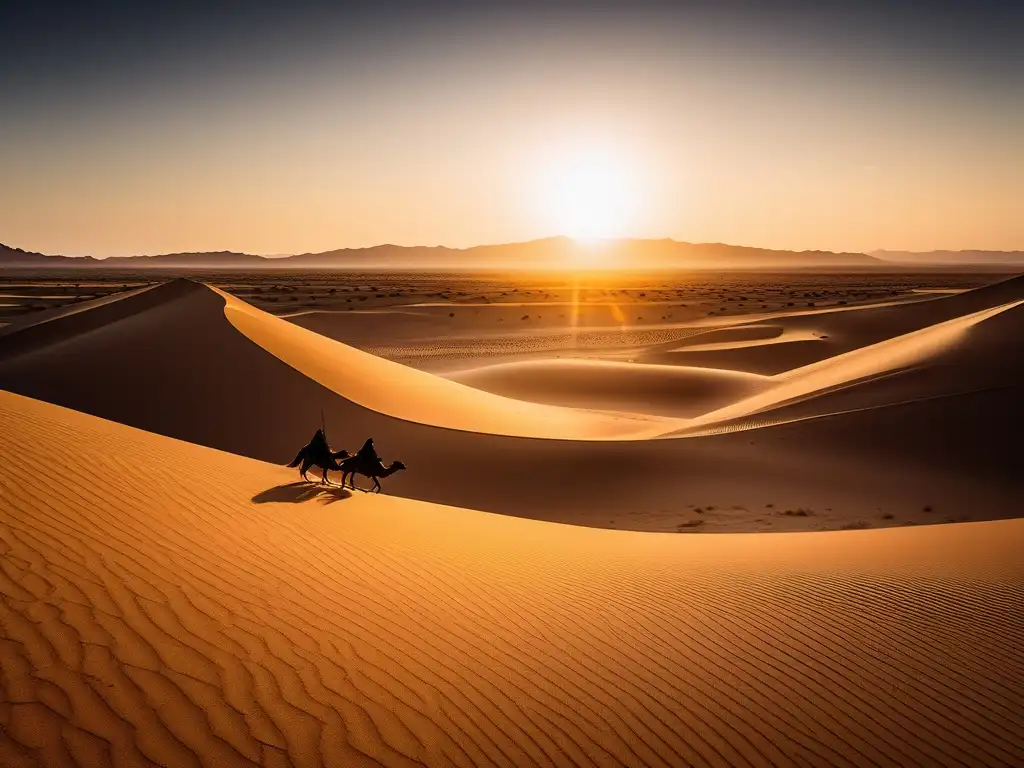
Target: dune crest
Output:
{"points": [[744, 337], [412, 395], [857, 365]]}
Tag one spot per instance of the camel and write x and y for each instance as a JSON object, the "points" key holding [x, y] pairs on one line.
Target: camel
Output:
{"points": [[314, 455], [354, 465]]}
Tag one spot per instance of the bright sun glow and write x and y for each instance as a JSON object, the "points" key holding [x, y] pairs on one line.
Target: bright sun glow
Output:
{"points": [[591, 194]]}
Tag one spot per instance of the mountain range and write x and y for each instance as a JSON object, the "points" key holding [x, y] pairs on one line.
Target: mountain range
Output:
{"points": [[1015, 258], [554, 252]]}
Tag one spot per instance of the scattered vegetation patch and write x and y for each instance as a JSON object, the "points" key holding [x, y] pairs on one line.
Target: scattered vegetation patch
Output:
{"points": [[798, 512], [856, 525], [690, 524]]}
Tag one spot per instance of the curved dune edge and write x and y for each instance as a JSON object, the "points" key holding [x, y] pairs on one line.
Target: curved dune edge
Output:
{"points": [[417, 396], [858, 364], [198, 611], [782, 337], [672, 390], [63, 311], [405, 393]]}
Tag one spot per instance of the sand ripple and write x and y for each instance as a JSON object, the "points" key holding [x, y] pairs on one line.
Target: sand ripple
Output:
{"points": [[164, 603]]}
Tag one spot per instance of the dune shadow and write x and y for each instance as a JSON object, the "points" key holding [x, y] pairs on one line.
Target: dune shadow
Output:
{"points": [[302, 491]]}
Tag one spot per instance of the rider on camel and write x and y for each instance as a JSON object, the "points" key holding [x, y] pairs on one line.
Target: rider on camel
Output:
{"points": [[367, 455]]}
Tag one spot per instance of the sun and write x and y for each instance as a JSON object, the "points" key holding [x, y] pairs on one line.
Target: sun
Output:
{"points": [[590, 193]]}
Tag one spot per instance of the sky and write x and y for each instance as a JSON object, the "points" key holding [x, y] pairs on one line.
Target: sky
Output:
{"points": [[298, 127]]}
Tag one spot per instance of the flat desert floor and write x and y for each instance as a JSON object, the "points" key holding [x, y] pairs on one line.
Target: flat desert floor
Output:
{"points": [[171, 594]]}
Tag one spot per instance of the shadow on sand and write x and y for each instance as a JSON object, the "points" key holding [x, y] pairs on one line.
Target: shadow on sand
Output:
{"points": [[301, 491]]}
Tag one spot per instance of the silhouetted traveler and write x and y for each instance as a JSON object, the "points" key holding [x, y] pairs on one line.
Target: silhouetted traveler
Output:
{"points": [[367, 455]]}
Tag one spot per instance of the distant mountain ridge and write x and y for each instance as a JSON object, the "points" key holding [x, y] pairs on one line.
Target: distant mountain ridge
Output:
{"points": [[16, 257], [554, 252], [952, 257]]}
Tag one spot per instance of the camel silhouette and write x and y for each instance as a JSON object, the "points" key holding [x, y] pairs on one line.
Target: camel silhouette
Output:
{"points": [[373, 470], [315, 455]]}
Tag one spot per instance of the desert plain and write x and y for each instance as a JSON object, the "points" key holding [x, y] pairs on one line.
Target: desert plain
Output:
{"points": [[647, 519]]}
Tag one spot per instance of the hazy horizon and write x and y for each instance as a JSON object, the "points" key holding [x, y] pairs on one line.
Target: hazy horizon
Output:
{"points": [[273, 129], [582, 245]]}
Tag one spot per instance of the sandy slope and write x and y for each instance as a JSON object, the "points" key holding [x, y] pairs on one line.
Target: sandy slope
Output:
{"points": [[713, 395], [41, 328], [173, 364], [917, 349], [164, 602], [667, 390], [413, 395], [743, 337], [835, 331]]}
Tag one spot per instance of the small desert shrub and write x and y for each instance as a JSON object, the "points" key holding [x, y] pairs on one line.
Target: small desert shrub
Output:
{"points": [[690, 524], [856, 525]]}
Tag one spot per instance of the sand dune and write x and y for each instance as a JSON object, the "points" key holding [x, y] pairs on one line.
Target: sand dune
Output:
{"points": [[899, 353], [59, 323], [838, 330], [983, 359], [694, 392], [651, 389], [183, 370], [744, 337], [167, 603], [413, 395]]}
